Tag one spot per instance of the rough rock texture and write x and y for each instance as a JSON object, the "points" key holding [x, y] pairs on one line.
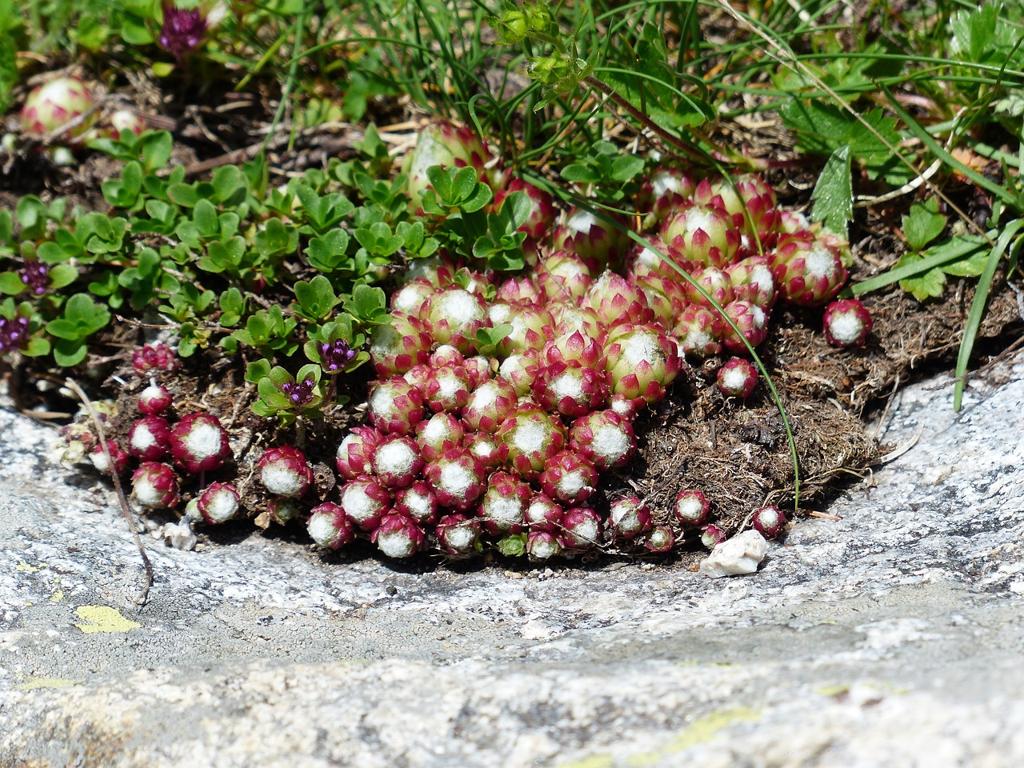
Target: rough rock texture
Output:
{"points": [[891, 636]]}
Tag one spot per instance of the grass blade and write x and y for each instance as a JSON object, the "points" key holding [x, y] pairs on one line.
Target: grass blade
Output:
{"points": [[978, 309]]}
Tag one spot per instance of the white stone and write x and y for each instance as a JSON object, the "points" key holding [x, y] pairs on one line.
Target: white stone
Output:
{"points": [[738, 556]]}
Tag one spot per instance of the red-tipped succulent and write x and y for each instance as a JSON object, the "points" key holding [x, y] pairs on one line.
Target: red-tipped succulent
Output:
{"points": [[458, 535], [154, 400], [504, 503], [329, 526], [543, 545], [564, 276], [199, 443], [752, 281], [592, 239], [395, 406], [397, 536], [398, 345], [629, 517], [457, 479], [396, 461], [149, 438], [691, 508], [737, 378], [355, 451], [642, 360], [411, 298], [454, 316], [532, 437], [571, 389], [489, 405], [605, 438], [437, 434], [56, 104], [569, 478], [520, 369], [218, 502], [769, 521], [487, 449], [418, 502], [616, 301], [847, 323], [581, 529], [283, 471], [700, 331], [448, 388], [712, 536], [715, 283], [119, 458], [365, 500], [660, 540], [752, 322], [154, 357], [543, 514], [701, 235], [807, 271], [155, 486]]}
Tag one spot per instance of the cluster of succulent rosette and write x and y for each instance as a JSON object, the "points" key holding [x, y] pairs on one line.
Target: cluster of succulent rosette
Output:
{"points": [[502, 400]]}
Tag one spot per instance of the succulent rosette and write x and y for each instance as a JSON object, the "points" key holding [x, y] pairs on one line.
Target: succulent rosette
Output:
{"points": [[572, 389], [701, 235], [503, 506], [395, 406], [752, 322], [569, 478], [451, 146], [56, 104], [438, 271], [616, 300], [154, 400], [660, 540], [329, 526], [199, 443], [594, 240], [365, 500], [396, 461], [411, 298], [487, 449], [750, 203], [282, 510], [418, 502], [532, 437], [398, 537], [570, 318], [458, 535], [847, 323], [218, 503], [531, 328], [807, 272], [628, 517], [752, 280], [154, 357], [454, 316], [691, 508], [605, 438], [118, 458], [664, 191], [700, 331], [712, 536], [520, 369], [456, 478], [355, 451], [149, 438], [769, 521], [439, 433], [574, 347], [715, 283], [284, 471], [563, 276], [641, 361], [489, 405], [737, 378], [399, 344], [519, 290], [448, 388], [155, 486], [543, 514], [542, 208], [543, 545], [581, 529]]}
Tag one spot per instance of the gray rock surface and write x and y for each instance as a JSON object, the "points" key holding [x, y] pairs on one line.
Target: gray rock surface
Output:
{"points": [[888, 636]]}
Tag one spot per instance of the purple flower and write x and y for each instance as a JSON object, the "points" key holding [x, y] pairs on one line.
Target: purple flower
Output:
{"points": [[335, 355], [36, 277], [13, 334], [299, 393], [183, 30]]}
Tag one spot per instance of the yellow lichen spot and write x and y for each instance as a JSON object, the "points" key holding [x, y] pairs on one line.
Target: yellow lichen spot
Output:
{"points": [[36, 683], [593, 761], [699, 731], [57, 596], [25, 567], [103, 618], [834, 691]]}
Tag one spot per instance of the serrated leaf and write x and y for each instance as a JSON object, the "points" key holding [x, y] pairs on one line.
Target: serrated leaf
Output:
{"points": [[922, 225], [928, 285], [833, 192]]}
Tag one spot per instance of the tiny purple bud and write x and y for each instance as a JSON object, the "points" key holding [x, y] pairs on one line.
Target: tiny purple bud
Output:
{"points": [[335, 355], [299, 393], [36, 277], [182, 31]]}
